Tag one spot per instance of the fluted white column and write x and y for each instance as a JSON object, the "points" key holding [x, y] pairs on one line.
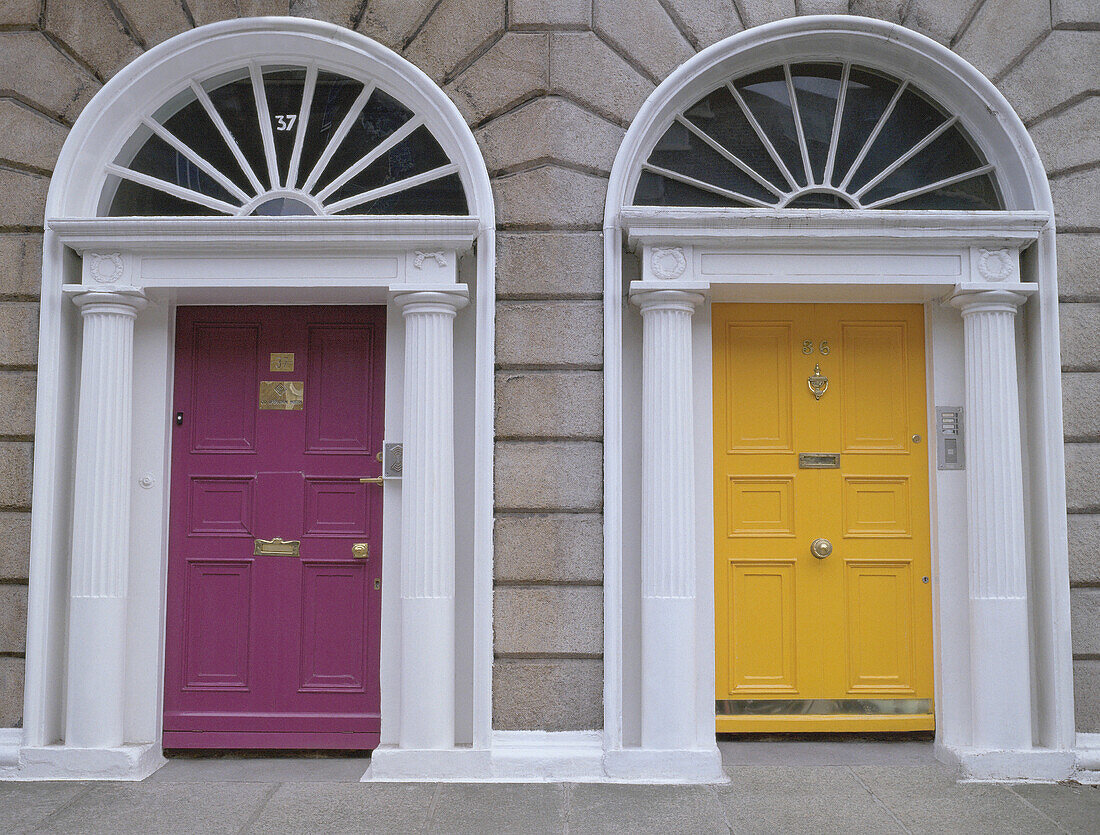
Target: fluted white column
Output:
{"points": [[999, 656], [428, 521], [668, 520], [101, 522]]}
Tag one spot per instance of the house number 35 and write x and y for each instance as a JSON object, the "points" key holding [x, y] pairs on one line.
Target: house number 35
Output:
{"points": [[286, 122], [808, 347]]}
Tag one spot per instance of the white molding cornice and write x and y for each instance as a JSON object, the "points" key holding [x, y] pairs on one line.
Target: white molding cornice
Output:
{"points": [[249, 235], [666, 226]]}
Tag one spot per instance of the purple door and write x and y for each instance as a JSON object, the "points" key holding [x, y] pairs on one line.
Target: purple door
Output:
{"points": [[275, 546]]}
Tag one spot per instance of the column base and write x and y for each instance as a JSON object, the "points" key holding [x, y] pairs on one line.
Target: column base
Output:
{"points": [[388, 763], [1032, 765], [643, 765], [60, 762], [545, 757], [1088, 759]]}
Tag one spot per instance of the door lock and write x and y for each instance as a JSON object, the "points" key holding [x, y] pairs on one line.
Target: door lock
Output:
{"points": [[821, 548]]}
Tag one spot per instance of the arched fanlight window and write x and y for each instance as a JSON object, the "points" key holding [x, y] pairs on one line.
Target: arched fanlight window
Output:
{"points": [[282, 140], [817, 135]]}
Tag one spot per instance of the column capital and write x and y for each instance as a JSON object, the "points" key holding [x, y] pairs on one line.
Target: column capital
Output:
{"points": [[450, 299], [670, 299], [971, 301], [124, 300]]}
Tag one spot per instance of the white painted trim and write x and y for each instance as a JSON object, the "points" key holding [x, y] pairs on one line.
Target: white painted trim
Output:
{"points": [[58, 762], [11, 739], [1004, 141], [71, 208]]}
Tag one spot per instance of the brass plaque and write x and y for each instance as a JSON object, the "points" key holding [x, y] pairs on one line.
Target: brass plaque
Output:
{"points": [[819, 460], [285, 395], [282, 362], [277, 547]]}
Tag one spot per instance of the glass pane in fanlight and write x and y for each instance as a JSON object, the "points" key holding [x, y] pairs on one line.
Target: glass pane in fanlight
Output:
{"points": [[192, 126], [817, 88], [135, 200], [283, 87], [233, 99], [721, 118], [867, 98], [976, 194], [819, 200], [913, 118], [283, 207], [682, 151], [159, 159], [444, 196], [379, 118], [950, 154], [332, 98], [655, 190], [415, 154], [765, 93]]}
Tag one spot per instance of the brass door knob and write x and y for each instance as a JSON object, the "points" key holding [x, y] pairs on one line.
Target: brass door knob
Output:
{"points": [[360, 551], [821, 548]]}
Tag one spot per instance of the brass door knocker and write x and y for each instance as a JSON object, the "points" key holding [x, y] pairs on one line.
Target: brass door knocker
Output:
{"points": [[818, 382]]}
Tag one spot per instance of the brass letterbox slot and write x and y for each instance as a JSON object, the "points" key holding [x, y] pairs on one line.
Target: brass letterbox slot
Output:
{"points": [[277, 547], [284, 395], [819, 460]]}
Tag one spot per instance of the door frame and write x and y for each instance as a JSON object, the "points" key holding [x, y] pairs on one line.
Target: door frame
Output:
{"points": [[415, 266], [680, 259]]}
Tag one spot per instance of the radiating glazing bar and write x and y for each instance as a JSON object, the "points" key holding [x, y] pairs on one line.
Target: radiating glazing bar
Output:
{"points": [[338, 137], [227, 135], [303, 125], [392, 188], [171, 188], [713, 189]]}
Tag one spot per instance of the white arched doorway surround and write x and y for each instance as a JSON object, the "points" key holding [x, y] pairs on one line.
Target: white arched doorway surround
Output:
{"points": [[710, 262], [154, 264]]}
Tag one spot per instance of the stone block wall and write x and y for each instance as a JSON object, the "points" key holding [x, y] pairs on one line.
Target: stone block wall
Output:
{"points": [[549, 87]]}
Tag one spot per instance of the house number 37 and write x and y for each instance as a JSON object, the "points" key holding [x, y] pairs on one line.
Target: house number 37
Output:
{"points": [[285, 122]]}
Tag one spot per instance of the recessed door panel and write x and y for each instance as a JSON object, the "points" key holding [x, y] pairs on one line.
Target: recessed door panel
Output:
{"points": [[760, 506], [876, 506], [822, 562], [338, 398], [334, 602], [875, 395], [337, 507], [880, 640], [275, 543], [223, 362], [762, 628], [760, 385], [220, 506], [217, 632]]}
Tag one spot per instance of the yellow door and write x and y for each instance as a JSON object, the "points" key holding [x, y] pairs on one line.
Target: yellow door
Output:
{"points": [[819, 433]]}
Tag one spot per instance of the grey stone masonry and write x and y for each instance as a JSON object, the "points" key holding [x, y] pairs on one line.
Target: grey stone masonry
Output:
{"points": [[549, 87]]}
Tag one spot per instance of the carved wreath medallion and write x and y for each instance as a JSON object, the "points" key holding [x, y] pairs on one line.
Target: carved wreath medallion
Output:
{"points": [[105, 268], [668, 262], [994, 264]]}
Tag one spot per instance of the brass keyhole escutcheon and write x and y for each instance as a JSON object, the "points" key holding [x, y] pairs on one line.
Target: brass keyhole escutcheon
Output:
{"points": [[818, 382], [821, 548], [377, 584]]}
